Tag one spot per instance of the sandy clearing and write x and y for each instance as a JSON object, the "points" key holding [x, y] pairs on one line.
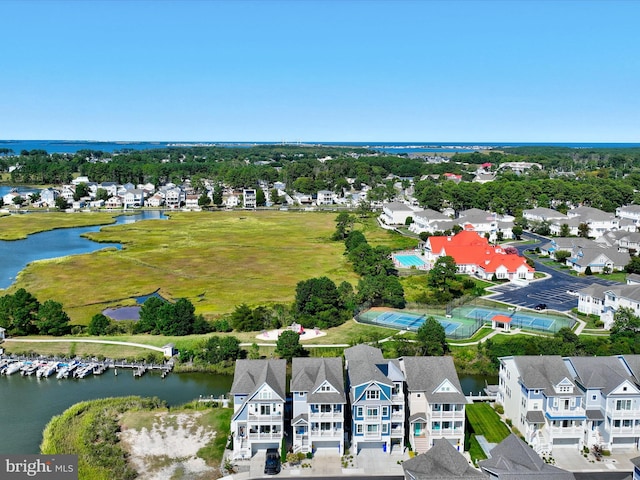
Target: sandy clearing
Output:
{"points": [[169, 449]]}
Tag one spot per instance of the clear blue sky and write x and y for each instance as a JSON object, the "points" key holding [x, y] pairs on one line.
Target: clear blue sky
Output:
{"points": [[332, 70]]}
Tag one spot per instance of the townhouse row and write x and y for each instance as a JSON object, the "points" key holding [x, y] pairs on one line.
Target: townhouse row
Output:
{"points": [[573, 401], [367, 402]]}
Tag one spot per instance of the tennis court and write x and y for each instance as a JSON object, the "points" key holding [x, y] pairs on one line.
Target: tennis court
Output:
{"points": [[405, 320], [519, 319]]}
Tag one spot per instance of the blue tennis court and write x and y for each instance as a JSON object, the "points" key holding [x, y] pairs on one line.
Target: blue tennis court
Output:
{"points": [[409, 321], [517, 319], [409, 261]]}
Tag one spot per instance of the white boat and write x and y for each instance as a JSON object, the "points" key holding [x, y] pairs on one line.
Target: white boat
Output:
{"points": [[13, 368], [63, 372], [47, 370]]}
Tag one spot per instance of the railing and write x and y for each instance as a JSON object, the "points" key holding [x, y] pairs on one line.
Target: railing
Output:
{"points": [[326, 433], [447, 431], [569, 412], [566, 431], [625, 414], [396, 431], [265, 436], [325, 415], [372, 435], [397, 414], [627, 430], [265, 418], [448, 414]]}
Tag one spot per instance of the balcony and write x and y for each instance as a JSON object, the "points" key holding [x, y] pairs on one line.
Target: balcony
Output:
{"points": [[568, 412], [633, 430], [265, 418], [557, 432], [445, 431], [336, 432], [372, 435], [624, 413], [265, 436], [448, 414], [325, 415]]}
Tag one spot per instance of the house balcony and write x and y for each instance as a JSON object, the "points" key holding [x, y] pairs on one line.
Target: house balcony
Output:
{"points": [[399, 414], [373, 418], [457, 414], [318, 416], [562, 412], [619, 414], [372, 436], [397, 431], [560, 432], [265, 418], [626, 431], [445, 431], [335, 432], [265, 436]]}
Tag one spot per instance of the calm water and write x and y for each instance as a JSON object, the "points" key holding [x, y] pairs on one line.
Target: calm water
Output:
{"points": [[27, 404], [55, 243]]}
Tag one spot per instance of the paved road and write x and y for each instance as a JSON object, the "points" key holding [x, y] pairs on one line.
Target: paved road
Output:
{"points": [[552, 291]]}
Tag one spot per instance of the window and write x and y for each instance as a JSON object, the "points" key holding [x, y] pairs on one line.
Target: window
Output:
{"points": [[435, 426], [372, 411], [325, 408], [325, 388], [359, 412], [325, 426], [265, 409], [359, 428], [593, 397], [385, 411], [373, 428], [373, 394], [623, 404], [385, 428]]}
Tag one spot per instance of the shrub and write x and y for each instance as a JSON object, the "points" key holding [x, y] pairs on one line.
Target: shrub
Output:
{"points": [[499, 409]]}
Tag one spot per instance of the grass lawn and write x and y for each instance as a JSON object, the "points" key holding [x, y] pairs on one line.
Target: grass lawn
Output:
{"points": [[215, 259], [483, 420]]}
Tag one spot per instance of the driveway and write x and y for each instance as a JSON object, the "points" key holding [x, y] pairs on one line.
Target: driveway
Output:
{"points": [[551, 291]]}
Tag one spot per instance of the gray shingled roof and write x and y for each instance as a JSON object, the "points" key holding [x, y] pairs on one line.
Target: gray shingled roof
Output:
{"points": [[441, 462], [603, 373], [535, 416], [589, 255], [542, 372], [426, 374], [512, 459], [633, 362], [429, 214], [250, 375], [364, 365], [398, 207], [309, 373]]}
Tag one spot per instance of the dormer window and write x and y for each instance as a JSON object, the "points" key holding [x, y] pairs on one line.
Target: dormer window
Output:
{"points": [[373, 394], [325, 388], [565, 389]]}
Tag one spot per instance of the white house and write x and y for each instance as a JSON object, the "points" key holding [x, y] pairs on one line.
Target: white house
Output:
{"points": [[542, 214], [319, 404], [396, 213], [630, 212], [325, 197], [259, 396], [249, 198]]}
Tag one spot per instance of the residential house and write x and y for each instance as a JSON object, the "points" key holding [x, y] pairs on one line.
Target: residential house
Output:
{"points": [[542, 400], [591, 299], [259, 396], [79, 180], [110, 187], [629, 212], [513, 459], [598, 221], [376, 399], [598, 259], [441, 462], [519, 167], [396, 213], [541, 214], [67, 192], [482, 177], [567, 244], [191, 201], [249, 198], [174, 197], [484, 223], [48, 196], [232, 201], [325, 197], [133, 198], [436, 402], [428, 221], [114, 202], [156, 200], [630, 242], [612, 399], [319, 404]]}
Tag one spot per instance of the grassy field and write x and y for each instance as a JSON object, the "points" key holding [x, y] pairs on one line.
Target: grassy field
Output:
{"points": [[16, 227], [215, 259]]}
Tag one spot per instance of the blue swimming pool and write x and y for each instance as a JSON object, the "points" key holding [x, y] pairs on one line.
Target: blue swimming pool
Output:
{"points": [[409, 261]]}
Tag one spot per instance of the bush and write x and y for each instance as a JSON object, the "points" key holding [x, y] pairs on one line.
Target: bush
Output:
{"points": [[499, 409]]}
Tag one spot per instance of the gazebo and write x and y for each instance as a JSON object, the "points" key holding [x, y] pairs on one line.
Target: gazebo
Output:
{"points": [[501, 321]]}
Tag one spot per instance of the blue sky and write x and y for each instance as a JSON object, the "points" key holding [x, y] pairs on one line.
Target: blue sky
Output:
{"points": [[332, 70]]}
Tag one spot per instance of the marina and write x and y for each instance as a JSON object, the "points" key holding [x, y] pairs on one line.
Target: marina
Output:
{"points": [[41, 367]]}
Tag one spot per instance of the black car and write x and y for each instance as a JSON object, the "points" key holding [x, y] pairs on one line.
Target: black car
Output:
{"points": [[272, 463], [541, 306]]}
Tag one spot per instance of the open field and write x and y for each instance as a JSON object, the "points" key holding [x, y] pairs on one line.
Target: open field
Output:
{"points": [[215, 259]]}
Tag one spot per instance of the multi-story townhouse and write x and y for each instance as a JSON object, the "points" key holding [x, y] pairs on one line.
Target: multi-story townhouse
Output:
{"points": [[428, 221], [542, 214], [324, 197], [435, 400], [542, 400], [249, 198], [630, 212], [259, 395], [174, 197], [376, 399], [396, 213], [319, 402], [591, 299], [612, 400], [598, 221], [133, 198]]}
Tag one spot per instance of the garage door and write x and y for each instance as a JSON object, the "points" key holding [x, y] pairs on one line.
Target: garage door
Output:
{"points": [[565, 441], [333, 446], [262, 447], [622, 441], [370, 446]]}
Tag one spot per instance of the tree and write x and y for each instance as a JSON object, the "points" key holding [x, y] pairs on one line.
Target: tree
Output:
{"points": [[634, 265], [562, 256], [443, 272], [587, 271], [288, 345], [18, 312], [52, 319], [583, 230], [274, 198], [18, 201], [102, 194], [517, 231], [204, 200], [431, 339], [217, 195], [149, 315], [261, 199], [625, 323], [99, 325], [318, 303], [61, 203], [344, 223], [82, 190], [564, 230]]}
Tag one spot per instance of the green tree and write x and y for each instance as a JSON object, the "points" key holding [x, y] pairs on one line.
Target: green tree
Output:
{"points": [[254, 352], [18, 312], [587, 271], [517, 231], [318, 303], [261, 199], [564, 230], [217, 195], [52, 319], [61, 203], [634, 265], [102, 194], [344, 224], [288, 345], [98, 325], [18, 201], [562, 256], [431, 339], [204, 200], [583, 230], [442, 273], [274, 198], [82, 190], [149, 315], [244, 320]]}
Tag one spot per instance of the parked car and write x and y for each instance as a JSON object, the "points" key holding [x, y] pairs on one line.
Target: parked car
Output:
{"points": [[541, 306], [272, 463]]}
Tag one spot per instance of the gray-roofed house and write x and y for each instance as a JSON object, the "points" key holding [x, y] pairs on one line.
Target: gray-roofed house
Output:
{"points": [[540, 397], [541, 214], [319, 403], [612, 399], [513, 459], [259, 395], [441, 462], [631, 212], [598, 259], [436, 402], [376, 399], [427, 221]]}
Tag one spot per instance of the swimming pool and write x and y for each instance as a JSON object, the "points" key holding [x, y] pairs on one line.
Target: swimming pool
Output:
{"points": [[409, 261]]}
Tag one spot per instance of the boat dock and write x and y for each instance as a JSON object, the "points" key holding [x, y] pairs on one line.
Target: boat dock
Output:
{"points": [[43, 367]]}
